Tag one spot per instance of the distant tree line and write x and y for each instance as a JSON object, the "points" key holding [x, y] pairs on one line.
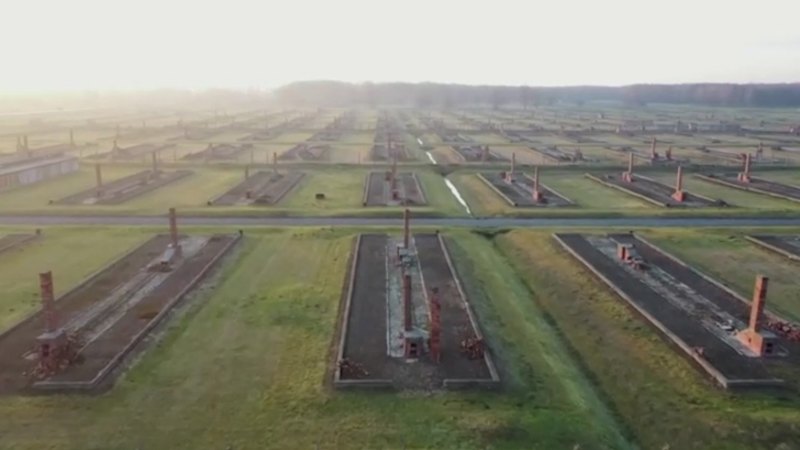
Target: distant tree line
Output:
{"points": [[434, 95]]}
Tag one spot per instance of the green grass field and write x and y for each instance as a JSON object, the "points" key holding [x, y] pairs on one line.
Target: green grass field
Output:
{"points": [[343, 189], [246, 368]]}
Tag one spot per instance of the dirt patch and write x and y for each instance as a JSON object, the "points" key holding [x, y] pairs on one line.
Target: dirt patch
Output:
{"points": [[261, 188]]}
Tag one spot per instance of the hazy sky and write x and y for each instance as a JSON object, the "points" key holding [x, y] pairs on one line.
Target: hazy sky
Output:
{"points": [[86, 44]]}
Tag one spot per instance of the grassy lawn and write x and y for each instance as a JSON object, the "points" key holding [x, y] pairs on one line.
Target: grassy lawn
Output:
{"points": [[482, 200], [523, 154], [37, 196], [291, 137], [357, 137], [660, 398], [247, 370], [736, 262], [445, 155], [592, 198], [72, 254], [192, 191], [587, 195], [789, 177], [343, 188], [601, 155], [590, 194], [489, 138], [439, 197], [349, 153]]}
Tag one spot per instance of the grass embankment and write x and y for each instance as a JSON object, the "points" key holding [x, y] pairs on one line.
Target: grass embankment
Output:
{"points": [[660, 397]]}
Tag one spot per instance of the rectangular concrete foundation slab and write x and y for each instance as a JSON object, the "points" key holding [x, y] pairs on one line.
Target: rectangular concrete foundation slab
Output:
{"points": [[110, 314], [758, 185], [124, 189], [365, 341], [377, 190], [688, 309], [655, 192], [520, 192], [264, 188]]}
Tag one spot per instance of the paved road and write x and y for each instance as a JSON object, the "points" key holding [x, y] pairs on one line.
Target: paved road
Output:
{"points": [[627, 222]]}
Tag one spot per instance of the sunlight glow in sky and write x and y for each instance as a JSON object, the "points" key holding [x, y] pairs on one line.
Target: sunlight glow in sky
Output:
{"points": [[113, 44]]}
